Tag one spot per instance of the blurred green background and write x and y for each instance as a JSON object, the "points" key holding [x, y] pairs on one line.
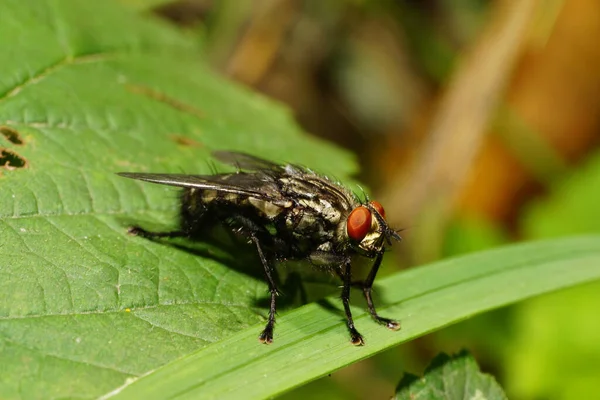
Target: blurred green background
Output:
{"points": [[476, 123]]}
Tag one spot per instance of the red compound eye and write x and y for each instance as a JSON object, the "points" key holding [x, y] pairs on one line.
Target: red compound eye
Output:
{"points": [[377, 205], [359, 223]]}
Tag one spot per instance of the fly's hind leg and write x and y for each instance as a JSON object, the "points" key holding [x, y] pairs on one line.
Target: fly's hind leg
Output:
{"points": [[139, 231], [194, 219], [367, 286]]}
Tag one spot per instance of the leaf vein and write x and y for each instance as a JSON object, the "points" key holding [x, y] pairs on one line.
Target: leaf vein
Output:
{"points": [[64, 358], [131, 309], [53, 68]]}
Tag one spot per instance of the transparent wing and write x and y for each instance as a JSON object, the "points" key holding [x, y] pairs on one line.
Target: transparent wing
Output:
{"points": [[245, 161], [257, 185]]}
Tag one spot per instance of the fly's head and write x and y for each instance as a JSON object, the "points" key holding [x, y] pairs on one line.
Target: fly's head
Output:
{"points": [[368, 230]]}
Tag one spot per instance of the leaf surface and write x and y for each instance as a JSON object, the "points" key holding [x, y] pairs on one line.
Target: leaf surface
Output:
{"points": [[89, 89]]}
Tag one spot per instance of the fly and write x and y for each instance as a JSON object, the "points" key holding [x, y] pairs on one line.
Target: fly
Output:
{"points": [[288, 213]]}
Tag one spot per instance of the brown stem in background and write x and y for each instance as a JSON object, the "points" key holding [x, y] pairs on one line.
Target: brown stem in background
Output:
{"points": [[456, 132]]}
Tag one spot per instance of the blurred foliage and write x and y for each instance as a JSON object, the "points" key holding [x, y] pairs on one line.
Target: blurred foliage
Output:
{"points": [[450, 378], [555, 352], [570, 207], [512, 109]]}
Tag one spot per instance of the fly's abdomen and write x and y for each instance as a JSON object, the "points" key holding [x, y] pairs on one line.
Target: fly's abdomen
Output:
{"points": [[205, 203]]}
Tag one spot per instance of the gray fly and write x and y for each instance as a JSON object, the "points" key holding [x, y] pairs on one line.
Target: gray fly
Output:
{"points": [[288, 213]]}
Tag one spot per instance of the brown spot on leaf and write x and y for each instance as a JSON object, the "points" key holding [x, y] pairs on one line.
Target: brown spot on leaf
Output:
{"points": [[163, 98], [11, 135], [11, 160], [185, 141]]}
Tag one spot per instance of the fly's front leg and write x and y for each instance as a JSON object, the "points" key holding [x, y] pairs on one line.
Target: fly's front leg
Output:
{"points": [[346, 275], [266, 336], [366, 286]]}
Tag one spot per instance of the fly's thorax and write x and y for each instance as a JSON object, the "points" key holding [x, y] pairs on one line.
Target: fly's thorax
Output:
{"points": [[320, 209], [313, 219]]}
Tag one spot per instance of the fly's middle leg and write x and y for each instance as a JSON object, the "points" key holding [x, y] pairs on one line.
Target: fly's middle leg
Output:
{"points": [[346, 275]]}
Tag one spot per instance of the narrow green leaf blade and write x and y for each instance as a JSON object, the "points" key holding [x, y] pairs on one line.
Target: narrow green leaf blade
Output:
{"points": [[312, 341]]}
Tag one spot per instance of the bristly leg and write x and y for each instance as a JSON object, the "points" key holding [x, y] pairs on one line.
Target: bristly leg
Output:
{"points": [[346, 275], [266, 335], [366, 287], [138, 231]]}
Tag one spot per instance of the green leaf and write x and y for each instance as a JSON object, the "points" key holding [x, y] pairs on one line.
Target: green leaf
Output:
{"points": [[312, 341], [88, 89], [450, 378]]}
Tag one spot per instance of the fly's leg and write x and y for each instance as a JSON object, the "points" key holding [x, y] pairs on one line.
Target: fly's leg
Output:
{"points": [[366, 286], [195, 220], [266, 335], [138, 231], [346, 275]]}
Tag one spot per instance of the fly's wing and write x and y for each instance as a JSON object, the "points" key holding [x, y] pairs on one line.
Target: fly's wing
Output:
{"points": [[257, 185], [302, 183], [245, 161]]}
